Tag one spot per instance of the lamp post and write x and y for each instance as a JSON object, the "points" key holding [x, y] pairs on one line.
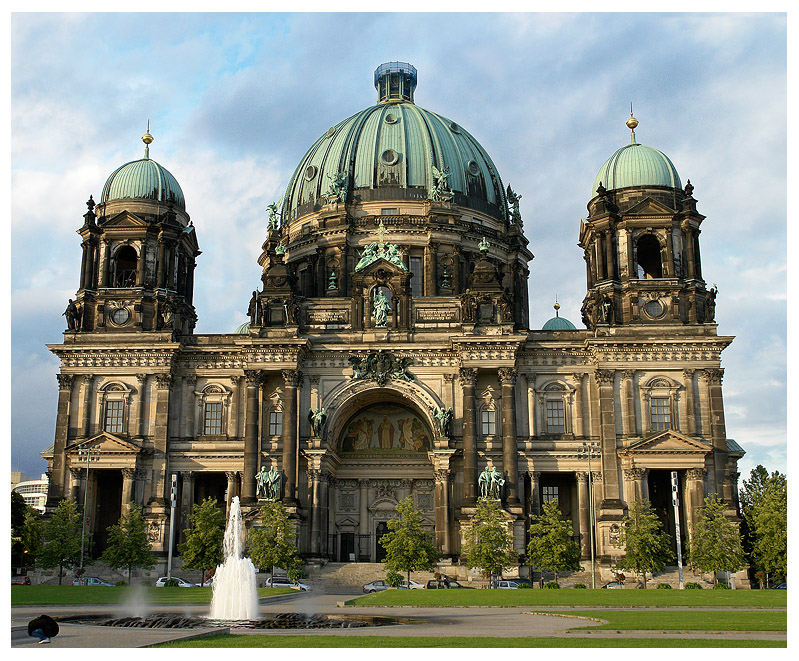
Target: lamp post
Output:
{"points": [[591, 449], [86, 454]]}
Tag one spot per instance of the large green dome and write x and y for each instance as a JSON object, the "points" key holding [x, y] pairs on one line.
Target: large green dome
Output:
{"points": [[143, 179], [389, 150], [636, 165]]}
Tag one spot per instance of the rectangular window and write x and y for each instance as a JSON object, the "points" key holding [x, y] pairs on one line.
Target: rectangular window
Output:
{"points": [[113, 416], [488, 420], [417, 281], [391, 211], [660, 413], [213, 418], [549, 493], [556, 416], [275, 423]]}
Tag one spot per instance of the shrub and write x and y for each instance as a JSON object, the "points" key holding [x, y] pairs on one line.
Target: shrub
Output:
{"points": [[552, 585], [693, 586], [393, 579], [295, 574], [580, 586], [524, 586], [663, 586], [120, 583], [171, 583], [721, 586]]}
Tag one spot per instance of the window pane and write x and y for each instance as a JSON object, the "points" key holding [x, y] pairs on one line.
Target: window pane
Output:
{"points": [[549, 493], [661, 413], [113, 416], [213, 418], [275, 423], [556, 416], [488, 423], [417, 281]]}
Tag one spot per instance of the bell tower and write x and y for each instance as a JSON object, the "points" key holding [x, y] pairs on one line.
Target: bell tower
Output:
{"points": [[641, 244]]}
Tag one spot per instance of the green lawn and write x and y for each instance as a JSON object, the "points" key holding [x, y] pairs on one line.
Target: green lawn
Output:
{"points": [[577, 598], [452, 641], [67, 595], [691, 620]]}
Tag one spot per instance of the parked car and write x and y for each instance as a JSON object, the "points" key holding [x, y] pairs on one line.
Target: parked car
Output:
{"points": [[781, 586], [376, 586], [613, 585], [505, 584], [181, 583], [284, 582], [413, 585], [20, 580], [446, 584], [92, 581]]}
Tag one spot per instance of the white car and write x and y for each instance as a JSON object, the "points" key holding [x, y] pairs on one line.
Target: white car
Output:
{"points": [[413, 585], [284, 582], [505, 584], [181, 583]]}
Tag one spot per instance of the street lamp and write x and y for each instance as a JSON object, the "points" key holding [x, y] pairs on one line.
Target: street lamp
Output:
{"points": [[86, 454], [591, 449]]}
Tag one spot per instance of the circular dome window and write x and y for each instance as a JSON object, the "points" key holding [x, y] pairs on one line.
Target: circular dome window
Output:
{"points": [[473, 168], [391, 118], [310, 172], [654, 309], [389, 157], [454, 127], [330, 132]]}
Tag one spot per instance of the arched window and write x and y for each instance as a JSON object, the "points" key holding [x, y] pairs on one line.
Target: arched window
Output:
{"points": [[650, 264], [125, 267]]}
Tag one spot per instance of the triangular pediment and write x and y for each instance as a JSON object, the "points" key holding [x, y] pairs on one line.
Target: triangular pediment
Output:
{"points": [[668, 442], [381, 263], [106, 443], [649, 207], [124, 219]]}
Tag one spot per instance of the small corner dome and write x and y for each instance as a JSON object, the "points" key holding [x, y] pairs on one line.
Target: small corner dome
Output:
{"points": [[636, 165], [244, 329], [558, 324]]}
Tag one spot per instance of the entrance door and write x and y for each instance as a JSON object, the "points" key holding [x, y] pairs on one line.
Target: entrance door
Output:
{"points": [[107, 508], [347, 547], [659, 484], [380, 552]]}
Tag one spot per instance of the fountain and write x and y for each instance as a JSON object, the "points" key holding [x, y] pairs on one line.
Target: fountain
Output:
{"points": [[235, 593]]}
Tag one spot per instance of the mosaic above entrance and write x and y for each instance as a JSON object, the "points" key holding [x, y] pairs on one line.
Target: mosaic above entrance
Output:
{"points": [[386, 428]]}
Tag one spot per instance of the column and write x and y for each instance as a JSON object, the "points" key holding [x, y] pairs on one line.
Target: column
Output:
{"points": [[694, 495], [232, 486], [186, 502], [718, 434], [57, 487], [610, 469], [253, 380], [163, 384], [128, 481], [468, 379], [636, 488], [103, 266], [531, 417], [507, 379], [314, 476], [610, 261], [579, 413], [690, 409], [363, 511], [190, 406], [688, 237], [600, 260], [74, 485], [535, 503], [291, 379], [584, 517], [85, 407], [233, 414], [140, 264], [430, 269], [588, 275], [442, 511], [631, 272], [670, 271], [628, 413]]}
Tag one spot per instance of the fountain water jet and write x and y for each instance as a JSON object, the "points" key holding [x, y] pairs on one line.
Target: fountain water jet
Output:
{"points": [[235, 593]]}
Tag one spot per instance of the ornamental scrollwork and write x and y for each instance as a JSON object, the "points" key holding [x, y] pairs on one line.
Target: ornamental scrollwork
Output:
{"points": [[381, 366]]}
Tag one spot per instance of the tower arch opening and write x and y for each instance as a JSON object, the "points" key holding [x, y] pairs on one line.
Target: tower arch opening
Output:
{"points": [[650, 262]]}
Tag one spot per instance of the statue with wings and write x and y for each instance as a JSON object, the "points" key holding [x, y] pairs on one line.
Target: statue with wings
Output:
{"points": [[440, 190]]}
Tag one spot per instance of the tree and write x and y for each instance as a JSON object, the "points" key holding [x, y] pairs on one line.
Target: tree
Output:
{"points": [[203, 546], [31, 536], [489, 543], [273, 544], [716, 541], [128, 543], [764, 512], [407, 544], [61, 538], [647, 547], [551, 545], [18, 508]]}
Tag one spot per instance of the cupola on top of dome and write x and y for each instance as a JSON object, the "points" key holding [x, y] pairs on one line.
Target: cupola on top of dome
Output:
{"points": [[395, 150], [143, 179], [636, 165], [558, 323]]}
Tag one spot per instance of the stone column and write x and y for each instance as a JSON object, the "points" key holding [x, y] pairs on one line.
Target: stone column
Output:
{"points": [[57, 487], [468, 379], [74, 486], [694, 495], [430, 269], [636, 488], [588, 274], [669, 270], [690, 409], [233, 414], [253, 379], [531, 417], [324, 510], [163, 384], [232, 487], [611, 262], [314, 476], [442, 511], [610, 469], [631, 273], [584, 516], [688, 237], [128, 478], [718, 433], [628, 421], [507, 379], [140, 264], [363, 511], [85, 407], [600, 259], [291, 379], [186, 503], [535, 501], [104, 261], [579, 413]]}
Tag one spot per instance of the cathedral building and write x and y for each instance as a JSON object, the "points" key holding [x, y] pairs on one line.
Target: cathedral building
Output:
{"points": [[389, 352]]}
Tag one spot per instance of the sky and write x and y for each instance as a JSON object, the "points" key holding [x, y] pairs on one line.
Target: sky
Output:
{"points": [[235, 100]]}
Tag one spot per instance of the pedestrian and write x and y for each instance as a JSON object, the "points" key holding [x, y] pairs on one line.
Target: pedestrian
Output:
{"points": [[541, 581], [43, 627]]}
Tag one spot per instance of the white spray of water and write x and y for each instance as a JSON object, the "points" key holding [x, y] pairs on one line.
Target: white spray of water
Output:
{"points": [[135, 604], [235, 593]]}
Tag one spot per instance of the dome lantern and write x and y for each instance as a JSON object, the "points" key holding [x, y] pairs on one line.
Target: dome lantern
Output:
{"points": [[395, 82]]}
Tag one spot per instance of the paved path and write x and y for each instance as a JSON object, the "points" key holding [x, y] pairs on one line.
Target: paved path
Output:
{"points": [[460, 622]]}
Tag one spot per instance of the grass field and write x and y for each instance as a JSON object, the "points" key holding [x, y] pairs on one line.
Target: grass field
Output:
{"points": [[456, 642], [680, 620], [68, 595], [578, 598]]}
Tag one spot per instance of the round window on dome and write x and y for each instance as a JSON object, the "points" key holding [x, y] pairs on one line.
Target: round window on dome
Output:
{"points": [[654, 309], [454, 127], [473, 168], [389, 157], [310, 172], [391, 118], [330, 132]]}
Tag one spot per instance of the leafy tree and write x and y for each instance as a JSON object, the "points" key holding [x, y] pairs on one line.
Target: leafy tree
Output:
{"points": [[647, 547], [61, 538], [551, 545], [31, 536], [273, 544], [18, 508], [128, 543], [408, 546], [716, 541], [489, 542], [763, 502], [203, 546]]}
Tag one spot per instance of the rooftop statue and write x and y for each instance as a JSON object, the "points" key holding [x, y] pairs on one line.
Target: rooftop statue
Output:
{"points": [[513, 202], [338, 187], [440, 190], [274, 216]]}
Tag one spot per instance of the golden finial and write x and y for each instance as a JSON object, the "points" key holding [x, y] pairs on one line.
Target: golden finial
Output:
{"points": [[147, 139], [631, 124], [556, 306]]}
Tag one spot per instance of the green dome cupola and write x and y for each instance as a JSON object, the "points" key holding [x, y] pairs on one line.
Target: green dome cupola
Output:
{"points": [[636, 165], [558, 323]]}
